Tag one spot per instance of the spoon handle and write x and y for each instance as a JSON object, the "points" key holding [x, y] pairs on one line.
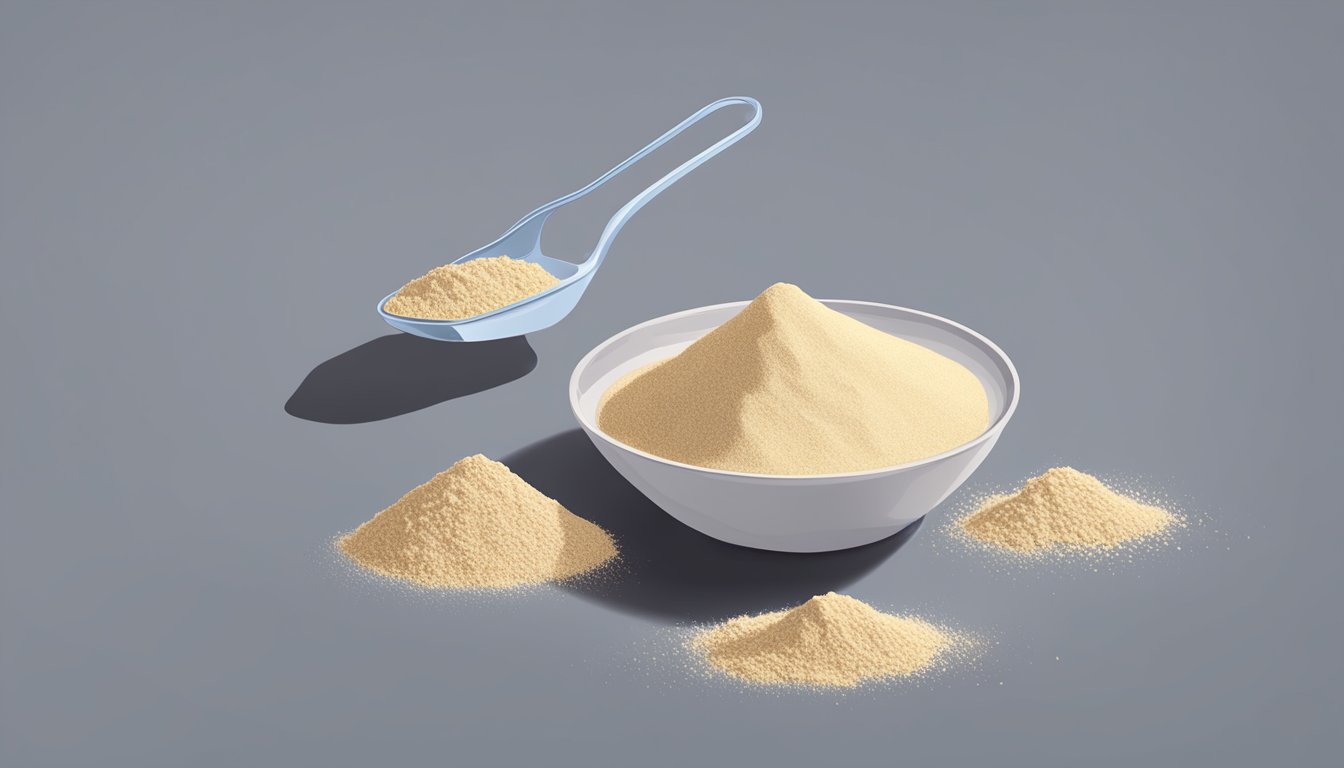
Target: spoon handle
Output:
{"points": [[638, 201], [538, 217]]}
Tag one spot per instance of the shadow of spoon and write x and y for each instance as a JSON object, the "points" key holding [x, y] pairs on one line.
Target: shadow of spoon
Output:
{"points": [[398, 374]]}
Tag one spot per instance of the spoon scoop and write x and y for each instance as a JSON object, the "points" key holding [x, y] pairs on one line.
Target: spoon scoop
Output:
{"points": [[523, 241]]}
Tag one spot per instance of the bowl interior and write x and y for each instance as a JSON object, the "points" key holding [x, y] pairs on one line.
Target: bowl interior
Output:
{"points": [[666, 336]]}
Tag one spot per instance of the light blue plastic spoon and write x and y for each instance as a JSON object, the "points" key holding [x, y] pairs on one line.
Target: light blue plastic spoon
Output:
{"points": [[523, 241]]}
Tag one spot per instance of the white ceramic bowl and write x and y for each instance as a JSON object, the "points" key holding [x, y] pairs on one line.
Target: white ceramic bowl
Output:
{"points": [[788, 513]]}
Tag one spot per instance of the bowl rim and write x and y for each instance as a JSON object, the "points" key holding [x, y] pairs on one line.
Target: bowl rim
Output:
{"points": [[989, 432]]}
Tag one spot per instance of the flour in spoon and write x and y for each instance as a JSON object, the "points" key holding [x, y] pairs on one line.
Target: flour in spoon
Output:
{"points": [[460, 291]]}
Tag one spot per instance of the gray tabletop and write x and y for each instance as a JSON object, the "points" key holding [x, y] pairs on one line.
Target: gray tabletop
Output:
{"points": [[200, 205]]}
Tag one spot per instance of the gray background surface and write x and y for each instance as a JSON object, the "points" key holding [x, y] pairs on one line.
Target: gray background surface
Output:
{"points": [[200, 205]]}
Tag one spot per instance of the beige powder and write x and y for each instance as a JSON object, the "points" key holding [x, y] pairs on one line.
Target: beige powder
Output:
{"points": [[1065, 509], [459, 291], [831, 641], [478, 525], [791, 387]]}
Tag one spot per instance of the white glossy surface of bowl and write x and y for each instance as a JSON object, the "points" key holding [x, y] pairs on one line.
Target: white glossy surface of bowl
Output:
{"points": [[806, 513]]}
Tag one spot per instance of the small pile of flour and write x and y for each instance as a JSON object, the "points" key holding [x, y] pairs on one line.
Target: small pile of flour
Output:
{"points": [[478, 525], [1064, 509], [459, 291], [831, 641]]}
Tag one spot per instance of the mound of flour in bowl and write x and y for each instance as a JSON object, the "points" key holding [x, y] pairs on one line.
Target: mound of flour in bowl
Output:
{"points": [[459, 291], [478, 525], [789, 386], [831, 641]]}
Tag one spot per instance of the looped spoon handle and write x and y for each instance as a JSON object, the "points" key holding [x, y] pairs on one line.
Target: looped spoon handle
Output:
{"points": [[534, 221]]}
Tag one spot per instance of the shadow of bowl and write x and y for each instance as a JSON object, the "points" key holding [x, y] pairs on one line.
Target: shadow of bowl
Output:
{"points": [[670, 571]]}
